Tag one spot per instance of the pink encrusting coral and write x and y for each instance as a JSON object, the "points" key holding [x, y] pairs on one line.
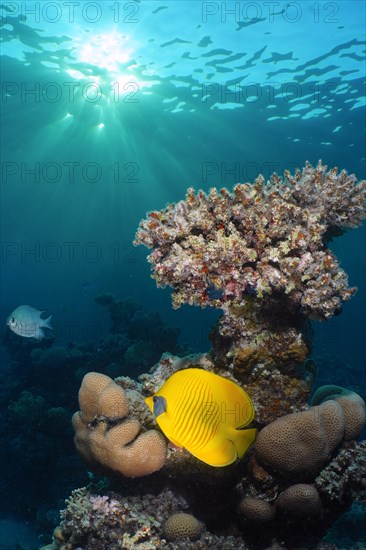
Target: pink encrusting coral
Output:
{"points": [[266, 239]]}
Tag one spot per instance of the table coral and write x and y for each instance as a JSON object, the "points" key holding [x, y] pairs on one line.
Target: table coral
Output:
{"points": [[264, 239]]}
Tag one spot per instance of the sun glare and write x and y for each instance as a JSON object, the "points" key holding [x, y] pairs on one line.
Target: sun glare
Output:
{"points": [[106, 51], [110, 52]]}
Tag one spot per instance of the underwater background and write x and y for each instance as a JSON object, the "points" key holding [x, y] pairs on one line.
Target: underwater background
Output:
{"points": [[112, 109]]}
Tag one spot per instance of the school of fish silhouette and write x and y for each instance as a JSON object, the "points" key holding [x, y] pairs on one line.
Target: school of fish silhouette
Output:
{"points": [[258, 253]]}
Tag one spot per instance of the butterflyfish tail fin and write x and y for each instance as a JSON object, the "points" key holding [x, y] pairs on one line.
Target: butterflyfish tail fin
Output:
{"points": [[243, 439]]}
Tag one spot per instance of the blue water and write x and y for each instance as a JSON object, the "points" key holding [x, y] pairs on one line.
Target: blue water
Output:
{"points": [[110, 109]]}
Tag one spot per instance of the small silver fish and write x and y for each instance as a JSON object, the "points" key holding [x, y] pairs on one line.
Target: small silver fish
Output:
{"points": [[27, 321]]}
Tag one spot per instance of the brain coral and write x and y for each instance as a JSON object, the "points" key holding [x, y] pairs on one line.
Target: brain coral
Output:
{"points": [[105, 435], [300, 499], [255, 509], [354, 412], [99, 395], [182, 525], [352, 404], [302, 442]]}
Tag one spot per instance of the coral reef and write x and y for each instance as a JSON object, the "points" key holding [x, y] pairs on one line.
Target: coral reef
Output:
{"points": [[105, 434], [292, 476], [93, 521], [112, 522], [265, 496], [259, 254], [39, 388], [288, 480]]}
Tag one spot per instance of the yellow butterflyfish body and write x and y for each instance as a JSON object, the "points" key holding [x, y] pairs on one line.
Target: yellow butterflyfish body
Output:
{"points": [[201, 411]]}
